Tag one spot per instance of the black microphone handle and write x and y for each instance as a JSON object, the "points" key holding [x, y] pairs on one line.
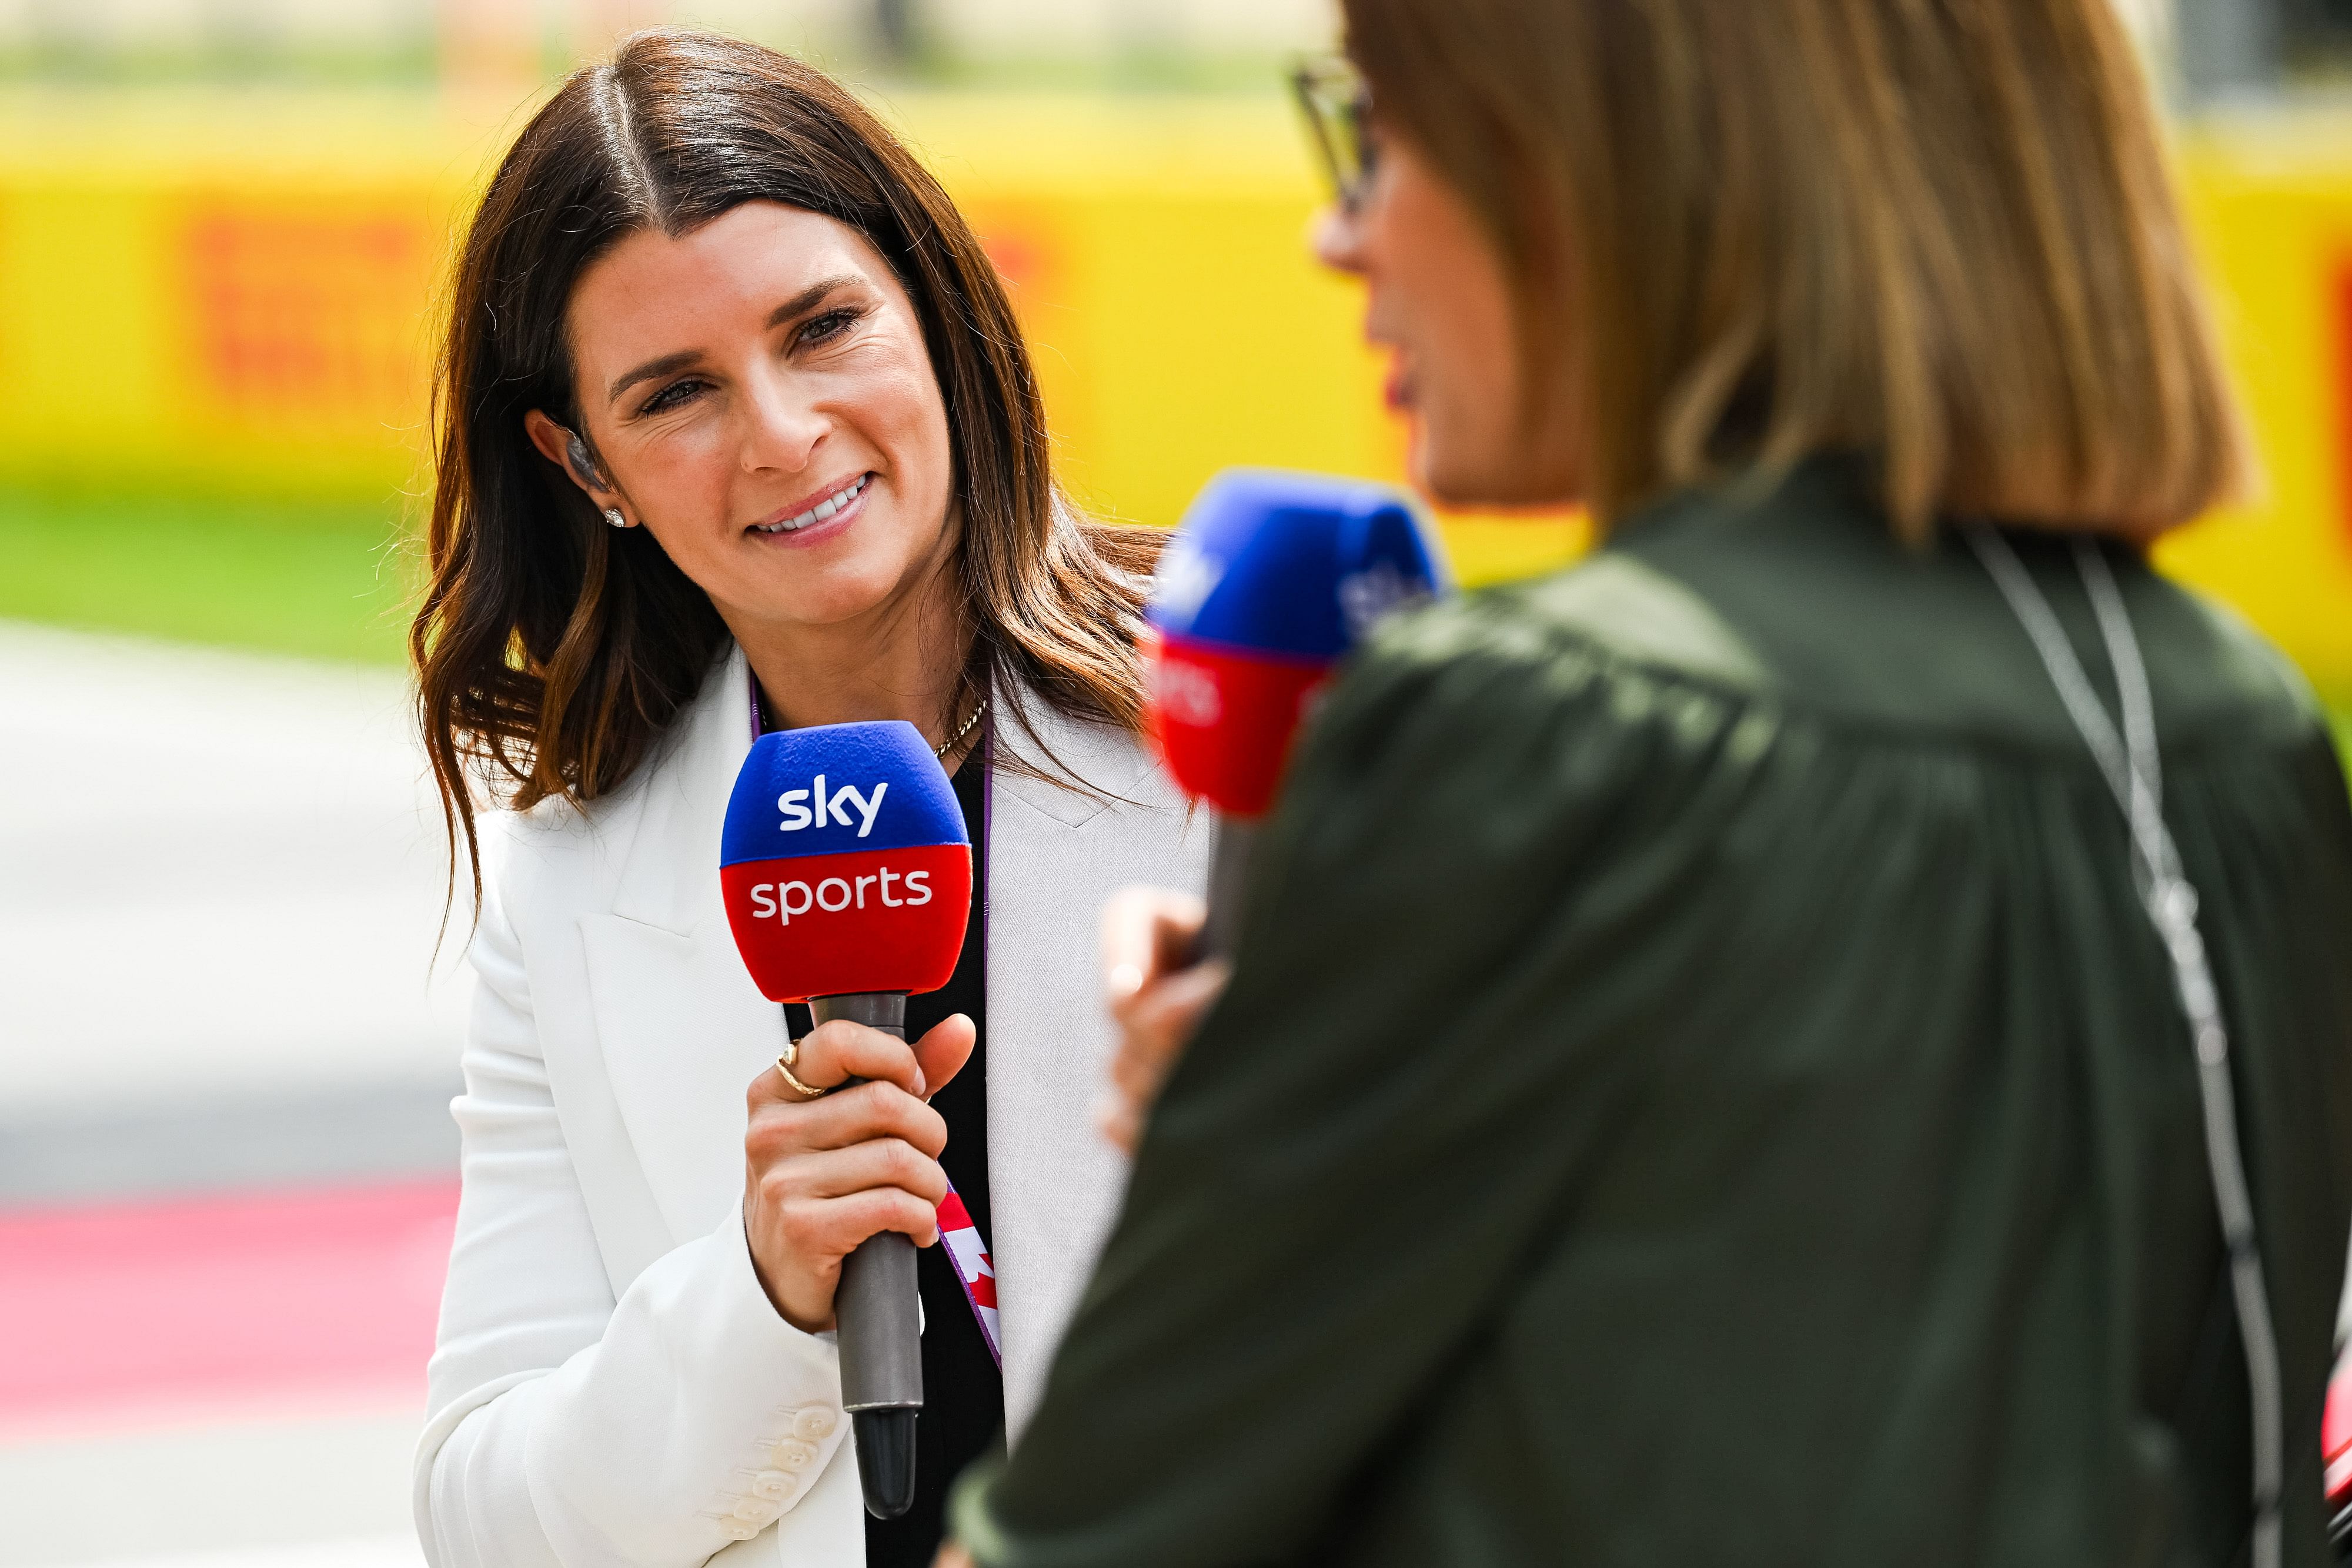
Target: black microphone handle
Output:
{"points": [[878, 1312], [1229, 863]]}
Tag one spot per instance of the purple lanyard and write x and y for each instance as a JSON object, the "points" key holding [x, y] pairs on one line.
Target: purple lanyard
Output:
{"points": [[967, 1248]]}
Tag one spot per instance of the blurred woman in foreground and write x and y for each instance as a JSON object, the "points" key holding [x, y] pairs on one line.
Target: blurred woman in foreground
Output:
{"points": [[1702, 1080]]}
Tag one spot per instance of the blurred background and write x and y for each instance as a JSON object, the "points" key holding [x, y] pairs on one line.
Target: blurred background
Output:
{"points": [[226, 1169]]}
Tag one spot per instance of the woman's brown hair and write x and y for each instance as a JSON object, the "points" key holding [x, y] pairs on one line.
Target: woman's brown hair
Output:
{"points": [[552, 651], [1940, 236]]}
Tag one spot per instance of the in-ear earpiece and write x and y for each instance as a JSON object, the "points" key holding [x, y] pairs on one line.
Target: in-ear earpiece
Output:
{"points": [[583, 462]]}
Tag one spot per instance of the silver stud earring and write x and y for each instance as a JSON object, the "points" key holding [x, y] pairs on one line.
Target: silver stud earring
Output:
{"points": [[613, 515]]}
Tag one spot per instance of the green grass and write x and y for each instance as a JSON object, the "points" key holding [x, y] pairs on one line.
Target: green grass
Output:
{"points": [[322, 581]]}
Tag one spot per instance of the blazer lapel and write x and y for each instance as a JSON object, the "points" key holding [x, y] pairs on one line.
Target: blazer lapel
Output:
{"points": [[683, 1030], [575, 861], [1054, 856]]}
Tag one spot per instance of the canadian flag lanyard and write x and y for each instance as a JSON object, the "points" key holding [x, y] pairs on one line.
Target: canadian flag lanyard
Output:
{"points": [[967, 1249]]}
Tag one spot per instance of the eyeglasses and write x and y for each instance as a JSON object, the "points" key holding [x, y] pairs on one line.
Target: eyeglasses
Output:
{"points": [[1338, 106]]}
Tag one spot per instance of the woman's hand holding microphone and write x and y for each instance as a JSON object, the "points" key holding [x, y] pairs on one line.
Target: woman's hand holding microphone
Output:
{"points": [[822, 1172]]}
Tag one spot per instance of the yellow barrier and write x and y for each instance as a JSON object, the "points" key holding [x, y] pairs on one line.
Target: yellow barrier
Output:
{"points": [[2272, 206], [238, 296]]}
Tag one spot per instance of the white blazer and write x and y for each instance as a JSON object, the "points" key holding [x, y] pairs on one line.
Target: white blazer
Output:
{"points": [[611, 1386]]}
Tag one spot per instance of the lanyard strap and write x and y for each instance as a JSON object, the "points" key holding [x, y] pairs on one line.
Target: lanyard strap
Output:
{"points": [[966, 1248], [975, 1271], [2134, 773]]}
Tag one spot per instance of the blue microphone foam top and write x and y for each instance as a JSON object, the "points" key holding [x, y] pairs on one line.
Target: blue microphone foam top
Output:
{"points": [[836, 788], [1292, 564]]}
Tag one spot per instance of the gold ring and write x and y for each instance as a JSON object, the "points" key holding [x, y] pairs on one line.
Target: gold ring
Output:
{"points": [[784, 1065]]}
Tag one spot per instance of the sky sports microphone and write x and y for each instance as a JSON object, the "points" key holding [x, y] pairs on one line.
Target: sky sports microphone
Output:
{"points": [[848, 877], [1269, 581]]}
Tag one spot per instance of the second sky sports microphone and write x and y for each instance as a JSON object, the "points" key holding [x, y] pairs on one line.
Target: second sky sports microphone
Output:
{"points": [[848, 877], [1270, 580]]}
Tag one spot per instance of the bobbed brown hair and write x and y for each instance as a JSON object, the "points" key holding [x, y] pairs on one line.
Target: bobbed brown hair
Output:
{"points": [[1940, 236], [552, 651]]}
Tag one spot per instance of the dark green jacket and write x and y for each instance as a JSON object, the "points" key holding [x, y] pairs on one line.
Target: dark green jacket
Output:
{"points": [[1700, 1088]]}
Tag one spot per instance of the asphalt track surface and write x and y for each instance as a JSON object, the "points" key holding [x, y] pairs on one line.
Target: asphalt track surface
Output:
{"points": [[226, 1165]]}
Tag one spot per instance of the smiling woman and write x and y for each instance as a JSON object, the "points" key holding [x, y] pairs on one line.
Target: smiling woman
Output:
{"points": [[736, 432], [725, 431], [696, 261]]}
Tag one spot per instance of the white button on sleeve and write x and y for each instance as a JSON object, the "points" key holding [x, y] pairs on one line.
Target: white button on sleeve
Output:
{"points": [[813, 1424], [774, 1485], [790, 1454]]}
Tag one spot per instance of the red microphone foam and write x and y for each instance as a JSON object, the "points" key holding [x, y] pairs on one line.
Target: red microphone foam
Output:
{"points": [[1271, 581], [822, 927], [1223, 721]]}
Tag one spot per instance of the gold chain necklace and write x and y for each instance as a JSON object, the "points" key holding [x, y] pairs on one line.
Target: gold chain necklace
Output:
{"points": [[944, 746]]}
